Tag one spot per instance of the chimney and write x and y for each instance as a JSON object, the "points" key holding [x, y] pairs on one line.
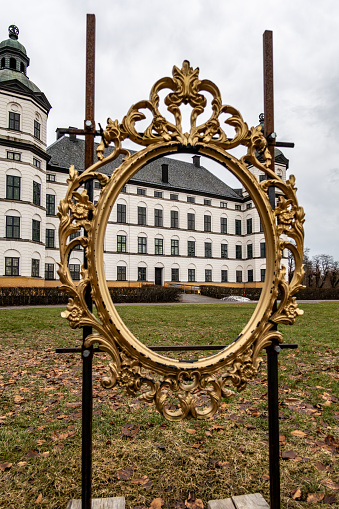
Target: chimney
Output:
{"points": [[72, 136], [164, 173], [196, 161]]}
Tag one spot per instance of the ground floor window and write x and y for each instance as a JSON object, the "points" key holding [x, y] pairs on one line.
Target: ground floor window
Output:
{"points": [[74, 270], [35, 267], [141, 273], [49, 270], [175, 275], [11, 266], [191, 275], [121, 273], [224, 276], [262, 275], [250, 275], [238, 276], [208, 275]]}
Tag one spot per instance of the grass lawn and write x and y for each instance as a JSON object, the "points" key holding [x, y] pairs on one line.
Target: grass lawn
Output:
{"points": [[139, 455]]}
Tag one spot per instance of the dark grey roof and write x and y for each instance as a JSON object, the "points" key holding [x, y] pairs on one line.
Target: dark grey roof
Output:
{"points": [[181, 174]]}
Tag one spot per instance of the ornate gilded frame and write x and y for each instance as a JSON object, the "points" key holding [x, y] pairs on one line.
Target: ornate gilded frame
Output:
{"points": [[238, 363]]}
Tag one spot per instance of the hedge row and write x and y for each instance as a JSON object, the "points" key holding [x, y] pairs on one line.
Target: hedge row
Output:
{"points": [[218, 292], [21, 296], [145, 294]]}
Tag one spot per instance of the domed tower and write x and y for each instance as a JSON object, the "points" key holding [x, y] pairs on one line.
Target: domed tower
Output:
{"points": [[23, 118]]}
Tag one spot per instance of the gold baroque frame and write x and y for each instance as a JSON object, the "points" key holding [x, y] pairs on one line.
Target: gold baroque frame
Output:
{"points": [[238, 363]]}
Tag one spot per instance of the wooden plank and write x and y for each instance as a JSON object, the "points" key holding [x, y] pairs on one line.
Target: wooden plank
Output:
{"points": [[225, 503], [253, 501], [100, 503]]}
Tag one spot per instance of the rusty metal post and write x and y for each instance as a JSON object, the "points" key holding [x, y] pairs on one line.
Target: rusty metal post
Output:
{"points": [[87, 353], [273, 350]]}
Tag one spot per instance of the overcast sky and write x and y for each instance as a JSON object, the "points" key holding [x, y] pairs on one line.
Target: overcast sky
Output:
{"points": [[139, 41]]}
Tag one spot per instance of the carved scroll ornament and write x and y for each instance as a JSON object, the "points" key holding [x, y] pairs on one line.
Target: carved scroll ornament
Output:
{"points": [[199, 386]]}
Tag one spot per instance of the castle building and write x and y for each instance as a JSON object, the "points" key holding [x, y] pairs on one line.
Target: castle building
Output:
{"points": [[174, 221]]}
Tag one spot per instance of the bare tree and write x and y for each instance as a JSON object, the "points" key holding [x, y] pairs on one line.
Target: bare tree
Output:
{"points": [[321, 268], [308, 268], [334, 274]]}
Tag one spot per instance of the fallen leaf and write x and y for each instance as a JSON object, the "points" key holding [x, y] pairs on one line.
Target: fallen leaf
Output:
{"points": [[191, 431], [18, 399], [5, 466], [266, 477], [194, 503], [320, 466], [45, 454], [125, 474], [208, 433], [330, 499], [296, 494], [39, 499], [144, 481], [32, 454], [21, 463], [156, 503], [129, 430], [223, 464], [288, 455], [330, 484], [313, 498], [298, 433]]}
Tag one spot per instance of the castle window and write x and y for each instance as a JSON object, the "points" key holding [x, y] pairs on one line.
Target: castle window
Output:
{"points": [[238, 276], [141, 273], [191, 199], [3, 62], [50, 204], [238, 207], [22, 67], [121, 213], [224, 251], [190, 248], [121, 243], [141, 191], [223, 225], [14, 156], [37, 129], [249, 250], [14, 121], [74, 270], [238, 252], [207, 223], [157, 194], [49, 271], [191, 275], [35, 230], [11, 266], [224, 276], [74, 235], [12, 63], [142, 215], [174, 219], [50, 177], [208, 249], [35, 267], [50, 237], [13, 185], [157, 217], [158, 246], [262, 249], [174, 197], [121, 273], [36, 163], [249, 225], [250, 275], [223, 205], [36, 193], [12, 227], [190, 221], [238, 226], [262, 178], [174, 247], [262, 275], [175, 275], [207, 202], [208, 275], [142, 245], [249, 206]]}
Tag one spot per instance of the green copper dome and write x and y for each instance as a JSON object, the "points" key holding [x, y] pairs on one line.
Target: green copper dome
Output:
{"points": [[14, 44], [9, 75]]}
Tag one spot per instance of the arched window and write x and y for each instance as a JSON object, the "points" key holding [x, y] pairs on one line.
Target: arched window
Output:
{"points": [[12, 63], [3, 62], [22, 67]]}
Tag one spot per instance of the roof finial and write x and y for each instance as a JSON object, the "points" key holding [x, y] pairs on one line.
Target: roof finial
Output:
{"points": [[13, 32]]}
